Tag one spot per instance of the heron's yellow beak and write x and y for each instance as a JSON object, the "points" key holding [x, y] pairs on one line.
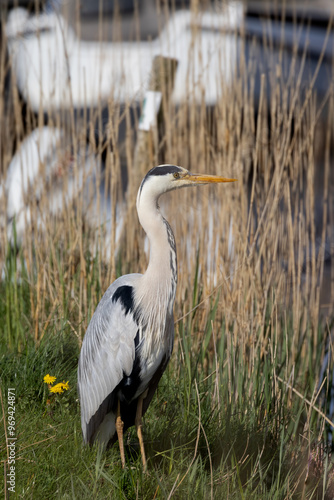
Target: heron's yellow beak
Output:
{"points": [[206, 179]]}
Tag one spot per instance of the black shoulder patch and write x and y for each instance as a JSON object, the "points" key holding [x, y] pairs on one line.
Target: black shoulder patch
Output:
{"points": [[124, 295]]}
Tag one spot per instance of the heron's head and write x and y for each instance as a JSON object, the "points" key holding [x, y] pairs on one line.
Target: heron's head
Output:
{"points": [[165, 178]]}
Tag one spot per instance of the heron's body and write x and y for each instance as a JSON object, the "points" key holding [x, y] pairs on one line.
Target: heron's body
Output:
{"points": [[129, 340], [137, 362]]}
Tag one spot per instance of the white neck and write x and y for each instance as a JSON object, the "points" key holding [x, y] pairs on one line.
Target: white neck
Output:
{"points": [[158, 284]]}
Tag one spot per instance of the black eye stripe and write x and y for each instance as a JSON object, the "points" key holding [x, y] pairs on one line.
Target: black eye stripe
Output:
{"points": [[161, 170], [164, 170]]}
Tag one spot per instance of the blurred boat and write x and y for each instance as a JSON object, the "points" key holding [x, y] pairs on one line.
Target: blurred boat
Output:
{"points": [[55, 69], [44, 180]]}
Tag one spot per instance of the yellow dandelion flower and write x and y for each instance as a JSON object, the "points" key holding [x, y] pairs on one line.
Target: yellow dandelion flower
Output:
{"points": [[65, 386], [48, 379], [57, 388], [61, 387]]}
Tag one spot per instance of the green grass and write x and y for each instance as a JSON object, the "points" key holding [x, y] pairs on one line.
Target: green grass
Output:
{"points": [[221, 425]]}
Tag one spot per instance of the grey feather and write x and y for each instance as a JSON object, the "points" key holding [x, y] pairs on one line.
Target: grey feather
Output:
{"points": [[108, 351]]}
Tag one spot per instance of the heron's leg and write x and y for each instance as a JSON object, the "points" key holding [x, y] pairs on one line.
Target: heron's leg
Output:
{"points": [[119, 430], [139, 426]]}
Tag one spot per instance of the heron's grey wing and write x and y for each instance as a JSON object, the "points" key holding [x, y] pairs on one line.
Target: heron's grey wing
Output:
{"points": [[107, 353]]}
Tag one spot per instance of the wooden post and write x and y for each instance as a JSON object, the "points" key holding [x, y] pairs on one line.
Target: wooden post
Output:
{"points": [[155, 108], [155, 104]]}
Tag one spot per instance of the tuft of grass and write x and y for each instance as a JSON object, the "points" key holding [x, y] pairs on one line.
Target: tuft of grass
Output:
{"points": [[201, 437]]}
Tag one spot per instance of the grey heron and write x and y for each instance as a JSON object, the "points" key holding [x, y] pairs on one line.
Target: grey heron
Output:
{"points": [[129, 339]]}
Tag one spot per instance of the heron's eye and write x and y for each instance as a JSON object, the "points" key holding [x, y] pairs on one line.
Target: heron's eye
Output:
{"points": [[176, 175]]}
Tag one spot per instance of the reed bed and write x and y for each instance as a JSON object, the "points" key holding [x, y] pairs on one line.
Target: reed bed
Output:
{"points": [[238, 413]]}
